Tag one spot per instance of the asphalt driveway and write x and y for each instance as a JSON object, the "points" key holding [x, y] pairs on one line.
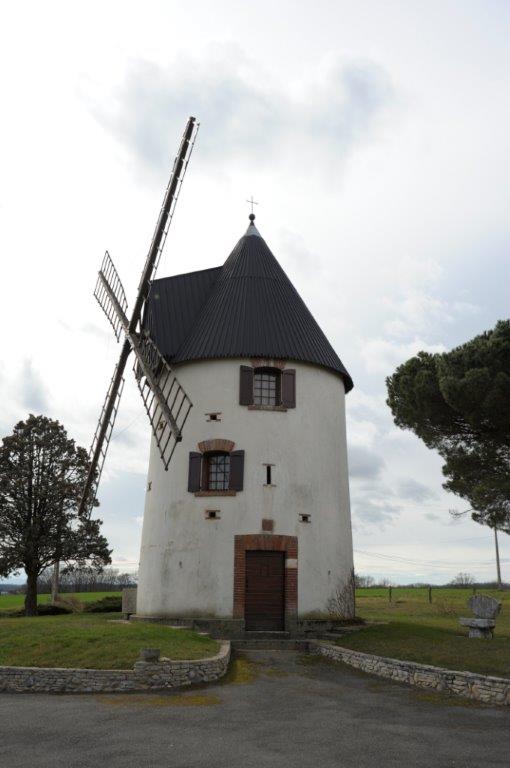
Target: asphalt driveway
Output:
{"points": [[276, 709]]}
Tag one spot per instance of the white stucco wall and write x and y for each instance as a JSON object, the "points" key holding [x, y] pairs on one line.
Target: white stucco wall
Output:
{"points": [[187, 561]]}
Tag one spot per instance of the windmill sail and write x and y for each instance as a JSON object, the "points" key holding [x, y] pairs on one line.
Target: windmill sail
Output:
{"points": [[169, 202], [166, 402], [168, 405], [109, 278], [107, 423]]}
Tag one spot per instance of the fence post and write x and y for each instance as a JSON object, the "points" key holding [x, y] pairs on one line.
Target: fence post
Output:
{"points": [[430, 594], [389, 594]]}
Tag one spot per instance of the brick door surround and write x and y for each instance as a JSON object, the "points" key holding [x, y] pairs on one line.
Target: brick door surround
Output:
{"points": [[274, 543]]}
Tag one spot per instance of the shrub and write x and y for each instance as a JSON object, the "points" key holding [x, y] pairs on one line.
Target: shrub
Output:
{"points": [[70, 602], [49, 609], [106, 605]]}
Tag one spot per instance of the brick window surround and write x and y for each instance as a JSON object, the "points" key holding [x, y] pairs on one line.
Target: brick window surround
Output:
{"points": [[218, 444], [274, 543]]}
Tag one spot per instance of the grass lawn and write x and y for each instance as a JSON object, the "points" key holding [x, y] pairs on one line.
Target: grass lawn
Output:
{"points": [[415, 630], [90, 640], [12, 602]]}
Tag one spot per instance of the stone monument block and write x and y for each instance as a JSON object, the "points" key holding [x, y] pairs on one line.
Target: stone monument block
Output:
{"points": [[128, 601]]}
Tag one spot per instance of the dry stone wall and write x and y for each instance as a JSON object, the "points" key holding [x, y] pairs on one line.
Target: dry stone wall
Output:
{"points": [[489, 690], [144, 676]]}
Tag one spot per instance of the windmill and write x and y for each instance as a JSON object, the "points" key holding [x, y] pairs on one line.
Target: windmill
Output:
{"points": [[166, 403]]}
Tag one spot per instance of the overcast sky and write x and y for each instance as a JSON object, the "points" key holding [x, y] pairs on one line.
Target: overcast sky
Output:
{"points": [[376, 138]]}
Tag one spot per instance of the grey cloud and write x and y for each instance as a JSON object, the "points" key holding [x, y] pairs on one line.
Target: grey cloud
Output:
{"points": [[368, 511], [244, 115], [413, 489], [32, 389], [431, 516], [364, 463]]}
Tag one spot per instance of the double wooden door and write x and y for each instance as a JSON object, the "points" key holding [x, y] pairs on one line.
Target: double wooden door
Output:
{"points": [[265, 591]]}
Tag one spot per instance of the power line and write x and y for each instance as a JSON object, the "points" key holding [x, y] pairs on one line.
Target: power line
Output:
{"points": [[429, 563]]}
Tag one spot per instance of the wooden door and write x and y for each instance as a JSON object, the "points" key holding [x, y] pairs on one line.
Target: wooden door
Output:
{"points": [[264, 591]]}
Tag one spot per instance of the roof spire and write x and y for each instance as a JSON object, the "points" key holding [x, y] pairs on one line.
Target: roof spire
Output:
{"points": [[252, 229], [252, 202]]}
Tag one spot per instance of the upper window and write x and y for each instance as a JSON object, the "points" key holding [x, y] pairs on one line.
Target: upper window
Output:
{"points": [[267, 388]]}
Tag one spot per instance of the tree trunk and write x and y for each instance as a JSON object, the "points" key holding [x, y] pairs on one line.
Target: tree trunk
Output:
{"points": [[31, 595], [498, 564], [55, 582]]}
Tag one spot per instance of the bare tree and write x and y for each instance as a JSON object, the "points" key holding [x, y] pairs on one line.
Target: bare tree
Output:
{"points": [[462, 579]]}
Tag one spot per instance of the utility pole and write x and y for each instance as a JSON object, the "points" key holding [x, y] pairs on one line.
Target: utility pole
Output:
{"points": [[55, 577], [498, 564]]}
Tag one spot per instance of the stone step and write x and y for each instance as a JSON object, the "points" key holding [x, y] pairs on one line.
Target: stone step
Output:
{"points": [[265, 635], [268, 644]]}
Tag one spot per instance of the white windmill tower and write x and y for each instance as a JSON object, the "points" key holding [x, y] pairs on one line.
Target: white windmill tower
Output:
{"points": [[249, 527]]}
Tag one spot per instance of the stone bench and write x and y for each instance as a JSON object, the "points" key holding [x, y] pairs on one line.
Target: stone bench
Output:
{"points": [[479, 627], [485, 610]]}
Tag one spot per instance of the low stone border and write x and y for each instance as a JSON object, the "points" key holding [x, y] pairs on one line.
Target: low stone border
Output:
{"points": [[144, 676], [489, 690]]}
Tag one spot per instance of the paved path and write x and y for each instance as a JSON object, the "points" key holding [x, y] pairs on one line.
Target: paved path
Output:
{"points": [[279, 709]]}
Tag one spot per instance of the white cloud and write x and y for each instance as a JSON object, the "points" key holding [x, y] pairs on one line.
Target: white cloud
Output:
{"points": [[419, 312], [33, 391], [383, 356], [245, 120]]}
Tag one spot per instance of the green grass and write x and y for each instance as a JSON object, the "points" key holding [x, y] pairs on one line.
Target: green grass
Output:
{"points": [[427, 633], [90, 640], [13, 602]]}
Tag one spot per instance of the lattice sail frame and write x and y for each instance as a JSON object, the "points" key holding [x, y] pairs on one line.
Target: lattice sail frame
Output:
{"points": [[111, 276], [109, 430], [175, 198], [174, 397]]}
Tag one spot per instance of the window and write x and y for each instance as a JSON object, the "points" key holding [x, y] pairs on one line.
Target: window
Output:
{"points": [[267, 388], [216, 472]]}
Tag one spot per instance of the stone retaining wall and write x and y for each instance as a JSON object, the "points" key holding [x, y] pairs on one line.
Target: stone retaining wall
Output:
{"points": [[144, 676], [489, 690]]}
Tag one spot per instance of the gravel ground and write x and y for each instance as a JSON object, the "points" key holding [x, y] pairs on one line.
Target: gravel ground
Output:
{"points": [[275, 709]]}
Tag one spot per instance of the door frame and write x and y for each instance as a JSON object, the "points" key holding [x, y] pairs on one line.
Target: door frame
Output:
{"points": [[274, 543]]}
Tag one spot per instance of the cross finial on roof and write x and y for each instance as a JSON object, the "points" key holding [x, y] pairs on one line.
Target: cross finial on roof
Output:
{"points": [[252, 202]]}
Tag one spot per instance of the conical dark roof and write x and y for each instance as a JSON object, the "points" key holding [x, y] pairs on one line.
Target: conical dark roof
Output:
{"points": [[247, 308]]}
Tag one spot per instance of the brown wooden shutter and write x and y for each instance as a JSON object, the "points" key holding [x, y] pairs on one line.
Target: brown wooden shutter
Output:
{"points": [[246, 385], [289, 388], [194, 473], [236, 471]]}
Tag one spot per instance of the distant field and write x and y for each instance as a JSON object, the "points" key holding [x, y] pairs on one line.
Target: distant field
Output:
{"points": [[458, 594], [11, 602], [412, 628]]}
